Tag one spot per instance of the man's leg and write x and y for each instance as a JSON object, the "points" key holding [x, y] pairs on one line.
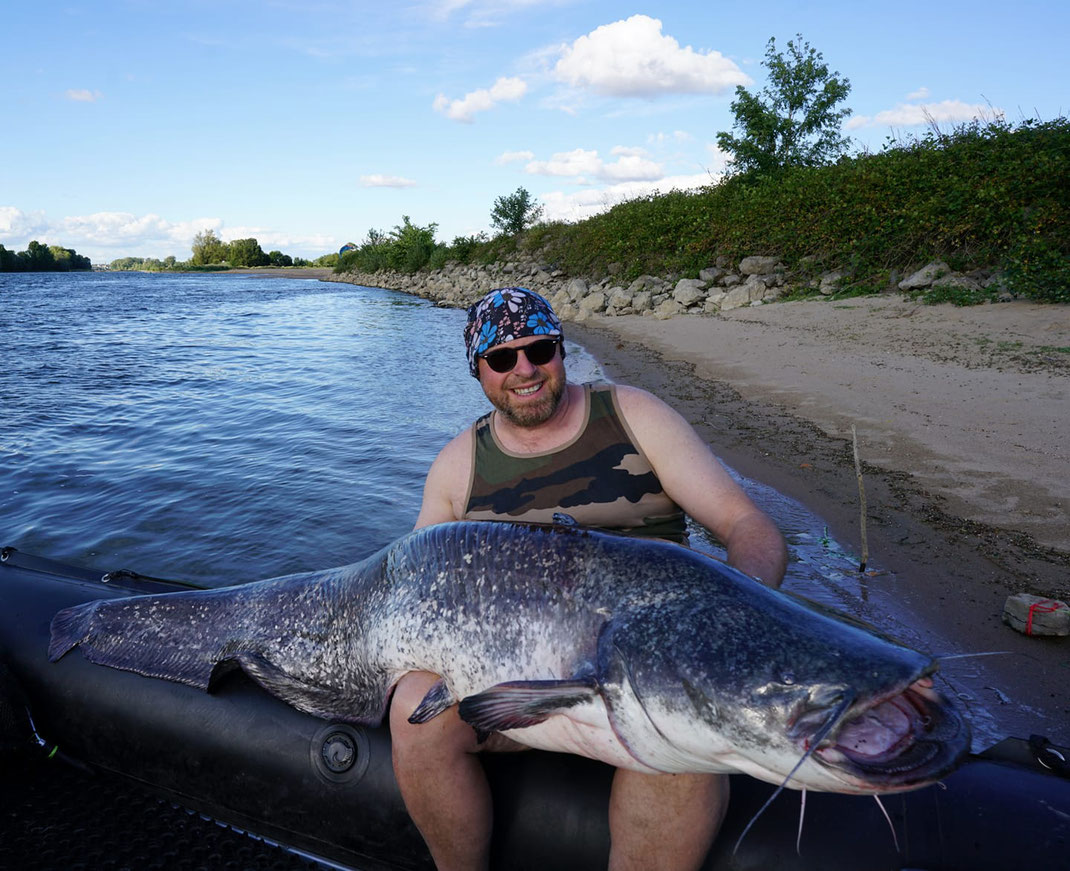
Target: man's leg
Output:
{"points": [[441, 779], [664, 821]]}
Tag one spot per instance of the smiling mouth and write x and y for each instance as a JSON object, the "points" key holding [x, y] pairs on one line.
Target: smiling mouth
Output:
{"points": [[526, 391]]}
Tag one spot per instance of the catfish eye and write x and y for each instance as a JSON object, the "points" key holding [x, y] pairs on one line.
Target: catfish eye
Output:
{"points": [[788, 678]]}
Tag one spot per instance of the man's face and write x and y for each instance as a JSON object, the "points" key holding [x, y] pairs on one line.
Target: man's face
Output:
{"points": [[527, 395]]}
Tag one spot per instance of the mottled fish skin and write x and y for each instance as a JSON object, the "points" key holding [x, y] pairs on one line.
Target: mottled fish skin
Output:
{"points": [[643, 654]]}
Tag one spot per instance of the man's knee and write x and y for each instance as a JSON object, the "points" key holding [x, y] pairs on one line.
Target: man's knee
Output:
{"points": [[443, 734]]}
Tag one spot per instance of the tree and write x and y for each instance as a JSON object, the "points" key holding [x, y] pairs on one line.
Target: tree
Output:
{"points": [[246, 252], [515, 213], [38, 258], [794, 121], [410, 245], [208, 248]]}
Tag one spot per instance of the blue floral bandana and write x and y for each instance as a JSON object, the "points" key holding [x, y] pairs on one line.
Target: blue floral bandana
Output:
{"points": [[503, 315]]}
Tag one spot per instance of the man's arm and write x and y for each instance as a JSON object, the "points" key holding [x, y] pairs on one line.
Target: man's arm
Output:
{"points": [[447, 483], [695, 479]]}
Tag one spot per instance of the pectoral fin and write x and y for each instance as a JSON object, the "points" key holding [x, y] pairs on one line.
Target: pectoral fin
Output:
{"points": [[518, 704], [438, 698]]}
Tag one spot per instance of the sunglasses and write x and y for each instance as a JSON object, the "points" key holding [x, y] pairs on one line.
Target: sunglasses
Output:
{"points": [[538, 353]]}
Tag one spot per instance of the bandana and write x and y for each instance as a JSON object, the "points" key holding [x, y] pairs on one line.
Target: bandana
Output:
{"points": [[503, 315]]}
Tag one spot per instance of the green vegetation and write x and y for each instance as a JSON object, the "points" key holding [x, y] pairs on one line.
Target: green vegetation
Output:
{"points": [[794, 121], [42, 258], [515, 213], [987, 195], [212, 254]]}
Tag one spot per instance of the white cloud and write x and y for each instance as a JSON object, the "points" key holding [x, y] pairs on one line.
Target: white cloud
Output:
{"points": [[17, 228], [567, 163], [913, 114], [920, 94], [104, 236], [678, 136], [83, 95], [632, 58], [503, 90], [378, 180], [632, 164], [577, 206], [719, 159], [513, 156]]}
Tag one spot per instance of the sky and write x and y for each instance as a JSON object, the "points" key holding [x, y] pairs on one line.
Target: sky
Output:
{"points": [[128, 126]]}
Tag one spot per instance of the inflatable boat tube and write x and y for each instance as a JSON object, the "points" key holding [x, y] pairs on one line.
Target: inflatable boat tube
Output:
{"points": [[327, 789]]}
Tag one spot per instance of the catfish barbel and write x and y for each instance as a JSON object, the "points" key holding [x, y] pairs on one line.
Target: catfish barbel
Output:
{"points": [[643, 654]]}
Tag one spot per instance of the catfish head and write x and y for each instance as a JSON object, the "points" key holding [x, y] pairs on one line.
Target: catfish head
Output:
{"points": [[756, 681]]}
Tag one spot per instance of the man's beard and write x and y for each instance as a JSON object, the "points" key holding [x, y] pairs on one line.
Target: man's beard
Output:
{"points": [[531, 414]]}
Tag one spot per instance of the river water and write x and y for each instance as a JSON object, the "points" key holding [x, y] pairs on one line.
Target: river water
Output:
{"points": [[225, 428]]}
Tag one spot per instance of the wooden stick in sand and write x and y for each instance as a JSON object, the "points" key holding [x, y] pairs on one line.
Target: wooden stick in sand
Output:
{"points": [[862, 498]]}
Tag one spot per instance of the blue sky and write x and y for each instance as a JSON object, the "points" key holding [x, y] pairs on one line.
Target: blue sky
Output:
{"points": [[127, 127]]}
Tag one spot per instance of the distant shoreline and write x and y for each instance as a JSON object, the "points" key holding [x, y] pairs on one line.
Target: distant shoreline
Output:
{"points": [[279, 271]]}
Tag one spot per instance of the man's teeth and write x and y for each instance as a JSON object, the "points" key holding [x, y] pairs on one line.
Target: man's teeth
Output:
{"points": [[525, 391]]}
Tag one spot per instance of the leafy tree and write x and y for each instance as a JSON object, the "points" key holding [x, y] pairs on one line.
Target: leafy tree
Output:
{"points": [[277, 258], [246, 252], [514, 213], [410, 245], [794, 121], [208, 248]]}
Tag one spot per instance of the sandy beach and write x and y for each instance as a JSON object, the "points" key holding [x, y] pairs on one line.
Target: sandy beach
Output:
{"points": [[961, 417]]}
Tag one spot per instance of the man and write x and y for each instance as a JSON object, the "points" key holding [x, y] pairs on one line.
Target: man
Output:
{"points": [[610, 457]]}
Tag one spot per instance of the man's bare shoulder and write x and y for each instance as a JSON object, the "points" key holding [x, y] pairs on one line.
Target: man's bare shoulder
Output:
{"points": [[447, 481], [641, 406]]}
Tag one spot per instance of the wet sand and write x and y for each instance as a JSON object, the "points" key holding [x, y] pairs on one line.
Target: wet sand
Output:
{"points": [[961, 417]]}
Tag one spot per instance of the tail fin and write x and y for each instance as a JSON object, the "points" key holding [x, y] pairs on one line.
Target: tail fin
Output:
{"points": [[70, 627]]}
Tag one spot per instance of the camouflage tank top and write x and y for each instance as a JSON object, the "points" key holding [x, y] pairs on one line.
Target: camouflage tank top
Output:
{"points": [[601, 478]]}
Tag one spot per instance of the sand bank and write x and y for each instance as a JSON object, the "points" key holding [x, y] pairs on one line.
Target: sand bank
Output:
{"points": [[961, 415]]}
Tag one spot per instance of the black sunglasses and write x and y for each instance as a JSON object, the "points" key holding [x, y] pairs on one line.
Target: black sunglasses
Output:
{"points": [[538, 353]]}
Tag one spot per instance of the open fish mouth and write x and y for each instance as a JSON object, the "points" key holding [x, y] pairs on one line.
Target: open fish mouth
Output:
{"points": [[900, 742]]}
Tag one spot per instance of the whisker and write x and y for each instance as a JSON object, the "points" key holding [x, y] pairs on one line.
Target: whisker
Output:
{"points": [[969, 655], [895, 839], [818, 737], [802, 813]]}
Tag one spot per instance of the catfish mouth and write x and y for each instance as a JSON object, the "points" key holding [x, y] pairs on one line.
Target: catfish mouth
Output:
{"points": [[897, 742]]}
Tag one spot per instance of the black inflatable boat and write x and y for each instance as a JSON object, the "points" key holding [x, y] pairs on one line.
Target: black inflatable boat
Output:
{"points": [[247, 760]]}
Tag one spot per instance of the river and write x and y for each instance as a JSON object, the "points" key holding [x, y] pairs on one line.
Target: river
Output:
{"points": [[224, 428]]}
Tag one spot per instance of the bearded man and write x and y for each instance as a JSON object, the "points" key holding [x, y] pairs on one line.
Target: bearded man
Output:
{"points": [[610, 457]]}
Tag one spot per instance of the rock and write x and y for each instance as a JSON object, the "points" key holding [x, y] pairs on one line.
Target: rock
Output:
{"points": [[617, 298], [737, 297], [593, 302], [758, 265], [569, 312], [642, 302], [576, 289], [956, 281], [667, 309], [644, 282], [731, 280], [558, 301], [1034, 615], [830, 282], [689, 291], [925, 276], [713, 303], [712, 275]]}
